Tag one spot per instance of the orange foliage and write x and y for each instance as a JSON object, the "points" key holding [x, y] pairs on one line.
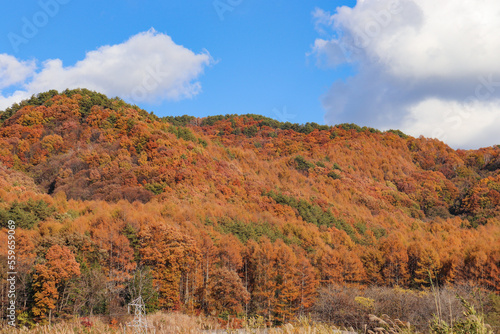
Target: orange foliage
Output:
{"points": [[227, 208]]}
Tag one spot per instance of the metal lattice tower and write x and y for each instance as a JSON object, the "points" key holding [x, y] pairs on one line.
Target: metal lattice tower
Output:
{"points": [[139, 324]]}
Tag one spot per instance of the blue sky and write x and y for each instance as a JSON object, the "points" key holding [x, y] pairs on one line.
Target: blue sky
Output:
{"points": [[259, 49], [400, 64]]}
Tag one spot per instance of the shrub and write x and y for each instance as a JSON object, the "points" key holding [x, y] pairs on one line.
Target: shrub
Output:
{"points": [[253, 230], [398, 133], [473, 323], [336, 166], [302, 164], [155, 188], [203, 142], [350, 126], [313, 213], [397, 308], [334, 175], [250, 131], [320, 164], [493, 313], [26, 214], [182, 133], [179, 120]]}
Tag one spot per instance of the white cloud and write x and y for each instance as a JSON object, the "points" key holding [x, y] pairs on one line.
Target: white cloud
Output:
{"points": [[13, 71], [454, 122], [418, 62], [149, 67]]}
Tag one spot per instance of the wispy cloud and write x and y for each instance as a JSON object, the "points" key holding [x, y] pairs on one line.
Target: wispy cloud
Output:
{"points": [[149, 67], [426, 67]]}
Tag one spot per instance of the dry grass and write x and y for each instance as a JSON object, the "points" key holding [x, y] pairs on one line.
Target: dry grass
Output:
{"points": [[171, 323], [177, 323], [73, 326], [306, 326]]}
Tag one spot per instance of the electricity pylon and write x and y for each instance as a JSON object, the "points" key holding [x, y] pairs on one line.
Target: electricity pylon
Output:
{"points": [[139, 324]]}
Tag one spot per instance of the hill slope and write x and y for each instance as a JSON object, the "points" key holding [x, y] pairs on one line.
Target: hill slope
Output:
{"points": [[265, 205]]}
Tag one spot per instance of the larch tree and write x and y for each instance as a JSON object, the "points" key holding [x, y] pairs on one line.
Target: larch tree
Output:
{"points": [[287, 283], [225, 292], [263, 273], [308, 282], [171, 254], [395, 268], [51, 279]]}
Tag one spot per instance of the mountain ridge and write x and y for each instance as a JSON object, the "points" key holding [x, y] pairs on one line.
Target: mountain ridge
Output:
{"points": [[352, 205], [59, 124]]}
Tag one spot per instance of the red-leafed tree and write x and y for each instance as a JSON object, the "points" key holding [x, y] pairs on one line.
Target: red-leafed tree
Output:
{"points": [[51, 279]]}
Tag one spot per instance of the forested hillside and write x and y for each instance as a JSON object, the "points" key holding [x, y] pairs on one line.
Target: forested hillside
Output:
{"points": [[232, 214]]}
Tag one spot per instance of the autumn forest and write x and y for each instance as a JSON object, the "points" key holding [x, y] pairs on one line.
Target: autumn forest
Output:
{"points": [[235, 215]]}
